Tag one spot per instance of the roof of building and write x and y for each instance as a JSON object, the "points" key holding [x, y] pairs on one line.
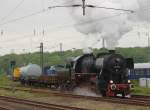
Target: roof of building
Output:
{"points": [[141, 65]]}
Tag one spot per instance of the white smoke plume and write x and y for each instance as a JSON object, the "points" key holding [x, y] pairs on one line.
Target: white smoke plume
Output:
{"points": [[84, 91], [109, 24], [87, 51]]}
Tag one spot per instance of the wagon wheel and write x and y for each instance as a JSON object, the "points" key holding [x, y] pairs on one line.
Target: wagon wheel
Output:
{"points": [[62, 87], [22, 82], [66, 86], [56, 86]]}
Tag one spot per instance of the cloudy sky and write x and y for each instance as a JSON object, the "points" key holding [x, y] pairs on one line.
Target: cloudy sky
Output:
{"points": [[26, 23]]}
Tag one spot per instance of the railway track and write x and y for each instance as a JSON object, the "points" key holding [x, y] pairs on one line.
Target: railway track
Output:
{"points": [[141, 96], [129, 101], [139, 100], [5, 108], [36, 104]]}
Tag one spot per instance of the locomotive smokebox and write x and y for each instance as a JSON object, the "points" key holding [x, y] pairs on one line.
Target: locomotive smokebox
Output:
{"points": [[112, 51]]}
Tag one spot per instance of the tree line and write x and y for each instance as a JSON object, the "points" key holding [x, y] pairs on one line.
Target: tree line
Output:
{"points": [[139, 54]]}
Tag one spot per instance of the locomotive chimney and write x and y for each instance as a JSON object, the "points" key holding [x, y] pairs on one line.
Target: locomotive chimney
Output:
{"points": [[112, 51]]}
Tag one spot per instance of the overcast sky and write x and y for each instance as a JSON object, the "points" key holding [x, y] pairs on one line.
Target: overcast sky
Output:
{"points": [[19, 36]]}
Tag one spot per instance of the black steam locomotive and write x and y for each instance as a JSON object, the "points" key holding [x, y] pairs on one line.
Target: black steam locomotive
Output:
{"points": [[108, 70]]}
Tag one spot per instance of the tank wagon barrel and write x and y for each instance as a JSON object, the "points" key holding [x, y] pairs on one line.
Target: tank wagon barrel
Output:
{"points": [[30, 73]]}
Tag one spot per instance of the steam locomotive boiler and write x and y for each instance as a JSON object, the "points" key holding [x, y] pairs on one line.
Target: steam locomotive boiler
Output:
{"points": [[108, 71], [84, 68]]}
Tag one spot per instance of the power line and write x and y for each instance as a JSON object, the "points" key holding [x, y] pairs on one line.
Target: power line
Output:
{"points": [[86, 22], [76, 5], [99, 19], [44, 10], [13, 10], [117, 9], [59, 6], [23, 17], [91, 6], [70, 25], [16, 38], [66, 26]]}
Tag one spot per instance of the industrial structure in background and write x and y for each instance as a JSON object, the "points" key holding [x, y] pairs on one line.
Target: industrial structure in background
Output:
{"points": [[41, 56]]}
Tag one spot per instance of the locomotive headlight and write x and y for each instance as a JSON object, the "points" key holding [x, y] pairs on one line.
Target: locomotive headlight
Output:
{"points": [[129, 81], [111, 82]]}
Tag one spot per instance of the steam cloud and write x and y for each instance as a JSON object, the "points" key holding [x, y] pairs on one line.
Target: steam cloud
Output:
{"points": [[109, 24], [84, 91]]}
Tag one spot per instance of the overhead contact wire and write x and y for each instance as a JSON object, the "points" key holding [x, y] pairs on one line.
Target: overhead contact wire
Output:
{"points": [[12, 11], [23, 17]]}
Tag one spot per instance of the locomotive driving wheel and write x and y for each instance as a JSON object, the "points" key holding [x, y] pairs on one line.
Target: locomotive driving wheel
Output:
{"points": [[67, 86], [102, 86]]}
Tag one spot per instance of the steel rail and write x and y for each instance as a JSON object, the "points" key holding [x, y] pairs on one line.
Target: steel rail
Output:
{"points": [[134, 100], [39, 104], [5, 108]]}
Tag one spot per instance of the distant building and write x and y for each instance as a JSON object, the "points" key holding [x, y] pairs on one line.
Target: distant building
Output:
{"points": [[141, 70]]}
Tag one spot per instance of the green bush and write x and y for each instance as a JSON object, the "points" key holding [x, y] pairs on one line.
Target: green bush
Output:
{"points": [[4, 80]]}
